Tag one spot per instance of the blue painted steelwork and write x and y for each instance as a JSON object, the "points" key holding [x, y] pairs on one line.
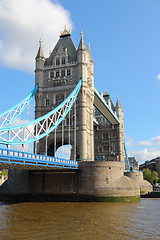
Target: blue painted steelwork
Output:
{"points": [[107, 107], [95, 121], [24, 158], [127, 160], [66, 104], [15, 111]]}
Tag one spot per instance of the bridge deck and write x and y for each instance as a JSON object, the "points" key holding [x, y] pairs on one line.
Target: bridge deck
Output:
{"points": [[11, 159], [104, 108]]}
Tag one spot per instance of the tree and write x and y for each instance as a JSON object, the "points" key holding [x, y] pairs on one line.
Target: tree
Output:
{"points": [[4, 172], [155, 177], [151, 177]]}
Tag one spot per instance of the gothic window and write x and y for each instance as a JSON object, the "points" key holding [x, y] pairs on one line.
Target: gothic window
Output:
{"points": [[105, 136], [59, 98], [57, 73], [68, 121], [99, 148], [47, 102], [51, 74], [68, 72], [63, 60], [62, 73], [106, 147], [57, 61]]}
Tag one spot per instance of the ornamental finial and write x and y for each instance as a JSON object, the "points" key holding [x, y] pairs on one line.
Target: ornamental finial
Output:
{"points": [[40, 42], [65, 32], [82, 34]]}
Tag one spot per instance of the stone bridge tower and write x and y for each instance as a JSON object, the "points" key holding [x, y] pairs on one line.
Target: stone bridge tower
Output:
{"points": [[57, 76]]}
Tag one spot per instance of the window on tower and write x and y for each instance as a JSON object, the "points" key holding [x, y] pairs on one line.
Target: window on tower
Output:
{"points": [[47, 102], [63, 60], [99, 148], [59, 98], [51, 74], [68, 72], [106, 147], [62, 73], [105, 136], [57, 73], [57, 61]]}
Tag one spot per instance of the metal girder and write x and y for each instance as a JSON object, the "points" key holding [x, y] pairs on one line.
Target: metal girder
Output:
{"points": [[23, 160], [10, 115], [102, 106], [40, 127], [127, 163]]}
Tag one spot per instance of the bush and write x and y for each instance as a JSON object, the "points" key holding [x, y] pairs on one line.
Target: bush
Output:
{"points": [[151, 177]]}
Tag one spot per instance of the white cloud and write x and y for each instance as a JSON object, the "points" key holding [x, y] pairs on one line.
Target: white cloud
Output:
{"points": [[23, 23], [158, 76], [19, 121], [128, 140], [149, 150], [144, 143], [27, 148], [154, 141], [129, 143], [144, 154]]}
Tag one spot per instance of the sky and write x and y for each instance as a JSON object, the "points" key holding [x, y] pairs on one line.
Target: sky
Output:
{"points": [[125, 46]]}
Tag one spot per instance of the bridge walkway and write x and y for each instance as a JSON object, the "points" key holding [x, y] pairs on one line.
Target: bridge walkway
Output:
{"points": [[11, 159]]}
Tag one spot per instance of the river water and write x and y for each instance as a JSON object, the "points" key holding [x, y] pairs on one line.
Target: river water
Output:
{"points": [[80, 221]]}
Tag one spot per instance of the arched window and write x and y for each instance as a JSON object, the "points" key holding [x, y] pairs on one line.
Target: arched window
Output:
{"points": [[47, 103], [63, 60], [59, 98], [105, 136], [106, 147], [57, 61]]}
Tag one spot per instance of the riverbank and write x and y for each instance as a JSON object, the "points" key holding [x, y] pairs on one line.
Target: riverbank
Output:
{"points": [[65, 198], [151, 195]]}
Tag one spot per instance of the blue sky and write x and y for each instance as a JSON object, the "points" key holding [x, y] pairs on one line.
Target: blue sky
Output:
{"points": [[125, 46]]}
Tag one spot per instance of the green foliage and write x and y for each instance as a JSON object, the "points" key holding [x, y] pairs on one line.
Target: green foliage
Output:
{"points": [[151, 177], [4, 172], [155, 177]]}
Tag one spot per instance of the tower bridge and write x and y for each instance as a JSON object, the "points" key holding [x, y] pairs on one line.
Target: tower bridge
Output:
{"points": [[69, 110]]}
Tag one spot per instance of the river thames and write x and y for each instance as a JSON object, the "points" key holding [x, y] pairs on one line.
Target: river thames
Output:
{"points": [[80, 221]]}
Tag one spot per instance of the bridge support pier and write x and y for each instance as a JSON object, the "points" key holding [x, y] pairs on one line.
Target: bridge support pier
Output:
{"points": [[93, 181]]}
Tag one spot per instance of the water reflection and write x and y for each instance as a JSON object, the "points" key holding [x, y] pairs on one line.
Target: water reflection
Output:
{"points": [[87, 221]]}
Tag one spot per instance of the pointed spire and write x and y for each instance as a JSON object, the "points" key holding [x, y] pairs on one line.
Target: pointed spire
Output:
{"points": [[81, 44], [40, 51], [118, 104], [106, 94], [89, 46]]}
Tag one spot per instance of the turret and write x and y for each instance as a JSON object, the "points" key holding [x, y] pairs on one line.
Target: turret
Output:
{"points": [[81, 59], [40, 60], [86, 98], [120, 131], [107, 98], [119, 111]]}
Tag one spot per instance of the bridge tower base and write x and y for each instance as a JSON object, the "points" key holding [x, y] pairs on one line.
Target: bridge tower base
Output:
{"points": [[145, 186], [93, 181]]}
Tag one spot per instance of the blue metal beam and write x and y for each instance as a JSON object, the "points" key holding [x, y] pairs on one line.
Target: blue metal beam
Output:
{"points": [[101, 104], [13, 157], [16, 110]]}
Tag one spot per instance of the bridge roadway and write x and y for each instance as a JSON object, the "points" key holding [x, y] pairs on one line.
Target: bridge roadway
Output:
{"points": [[104, 108], [11, 159]]}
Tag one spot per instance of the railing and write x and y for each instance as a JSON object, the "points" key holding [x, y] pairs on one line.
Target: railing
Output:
{"points": [[24, 158]]}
